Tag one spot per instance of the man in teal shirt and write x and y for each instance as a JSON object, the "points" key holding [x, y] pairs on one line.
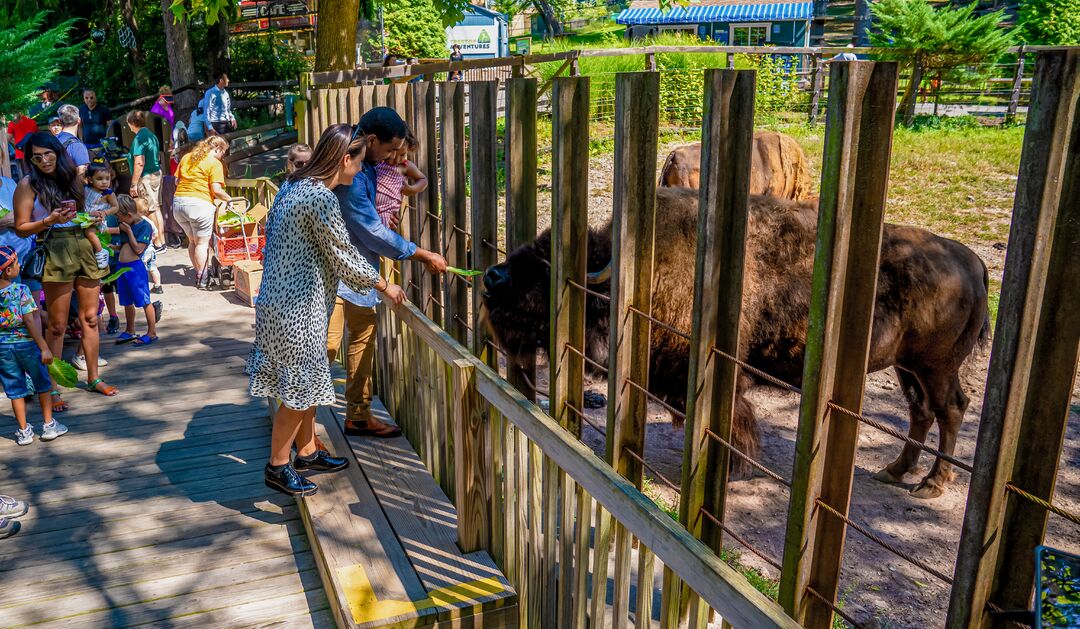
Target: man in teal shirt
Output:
{"points": [[146, 172]]}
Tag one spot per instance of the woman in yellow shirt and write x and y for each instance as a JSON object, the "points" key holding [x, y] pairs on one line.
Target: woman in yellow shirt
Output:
{"points": [[200, 178]]}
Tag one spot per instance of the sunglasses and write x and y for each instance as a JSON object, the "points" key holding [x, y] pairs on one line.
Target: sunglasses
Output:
{"points": [[43, 157]]}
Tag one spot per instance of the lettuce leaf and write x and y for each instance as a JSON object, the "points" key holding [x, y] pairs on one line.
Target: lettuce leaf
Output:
{"points": [[63, 373]]}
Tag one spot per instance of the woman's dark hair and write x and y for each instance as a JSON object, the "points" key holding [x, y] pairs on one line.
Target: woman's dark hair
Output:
{"points": [[63, 184], [333, 144], [384, 123], [136, 117]]}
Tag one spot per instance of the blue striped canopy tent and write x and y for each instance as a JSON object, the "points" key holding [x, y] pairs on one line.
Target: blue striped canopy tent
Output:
{"points": [[697, 14]]}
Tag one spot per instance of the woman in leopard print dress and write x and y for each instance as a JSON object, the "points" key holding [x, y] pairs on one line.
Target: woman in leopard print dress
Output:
{"points": [[307, 253]]}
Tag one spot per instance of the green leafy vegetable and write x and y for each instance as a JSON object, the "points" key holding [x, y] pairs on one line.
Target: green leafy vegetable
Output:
{"points": [[112, 278], [104, 237], [230, 218], [84, 220], [463, 272], [63, 373], [4, 211]]}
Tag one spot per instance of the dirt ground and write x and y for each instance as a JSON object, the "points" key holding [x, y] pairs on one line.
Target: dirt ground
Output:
{"points": [[878, 588]]}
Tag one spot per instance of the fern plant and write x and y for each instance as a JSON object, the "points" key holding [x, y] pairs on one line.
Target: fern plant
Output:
{"points": [[29, 59]]}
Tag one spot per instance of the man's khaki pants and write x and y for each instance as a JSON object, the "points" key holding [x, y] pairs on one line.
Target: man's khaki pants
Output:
{"points": [[360, 354]]}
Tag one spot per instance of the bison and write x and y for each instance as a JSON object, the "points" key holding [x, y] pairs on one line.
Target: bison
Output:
{"points": [[778, 167], [930, 313]]}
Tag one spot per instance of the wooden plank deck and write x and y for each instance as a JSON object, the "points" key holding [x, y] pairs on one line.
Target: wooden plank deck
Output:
{"points": [[152, 511]]}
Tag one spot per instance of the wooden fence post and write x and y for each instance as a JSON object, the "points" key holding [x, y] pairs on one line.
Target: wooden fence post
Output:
{"points": [[424, 217], [650, 62], [454, 215], [1017, 86], [484, 180], [520, 153], [817, 85], [854, 179], [569, 255], [727, 140], [472, 470], [1033, 362]]}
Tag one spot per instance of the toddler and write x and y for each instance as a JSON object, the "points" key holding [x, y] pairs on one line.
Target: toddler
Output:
{"points": [[23, 353], [392, 181], [99, 198], [133, 287]]}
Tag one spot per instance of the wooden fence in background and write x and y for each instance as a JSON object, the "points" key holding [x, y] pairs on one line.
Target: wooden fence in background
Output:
{"points": [[551, 513]]}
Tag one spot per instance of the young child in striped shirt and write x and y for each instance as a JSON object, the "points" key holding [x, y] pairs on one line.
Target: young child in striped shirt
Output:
{"points": [[396, 177]]}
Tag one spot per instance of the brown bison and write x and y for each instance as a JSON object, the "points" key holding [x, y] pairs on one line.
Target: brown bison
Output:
{"points": [[930, 313], [779, 167]]}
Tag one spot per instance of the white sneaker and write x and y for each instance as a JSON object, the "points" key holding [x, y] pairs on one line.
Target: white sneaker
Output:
{"points": [[80, 362], [52, 430], [25, 437], [102, 258]]}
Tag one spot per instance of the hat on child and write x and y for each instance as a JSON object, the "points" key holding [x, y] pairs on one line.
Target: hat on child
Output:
{"points": [[7, 256]]}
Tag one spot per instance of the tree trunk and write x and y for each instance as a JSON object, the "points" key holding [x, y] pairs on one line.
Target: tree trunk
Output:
{"points": [[217, 48], [181, 63], [138, 58], [907, 104], [335, 35], [553, 27]]}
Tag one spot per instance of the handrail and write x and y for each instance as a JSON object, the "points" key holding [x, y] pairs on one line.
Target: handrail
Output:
{"points": [[723, 588]]}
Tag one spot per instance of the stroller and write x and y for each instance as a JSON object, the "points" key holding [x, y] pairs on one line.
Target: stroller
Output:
{"points": [[230, 244]]}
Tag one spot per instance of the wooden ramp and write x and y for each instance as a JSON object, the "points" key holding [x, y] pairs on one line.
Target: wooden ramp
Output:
{"points": [[152, 510], [385, 540]]}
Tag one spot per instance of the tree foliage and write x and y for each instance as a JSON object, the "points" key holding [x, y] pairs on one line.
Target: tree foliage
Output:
{"points": [[414, 28], [1050, 22], [261, 57], [30, 58], [933, 41]]}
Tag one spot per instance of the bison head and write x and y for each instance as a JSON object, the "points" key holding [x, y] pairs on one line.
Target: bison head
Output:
{"points": [[516, 302]]}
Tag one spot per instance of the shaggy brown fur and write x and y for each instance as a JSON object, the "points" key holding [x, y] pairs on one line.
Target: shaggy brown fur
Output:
{"points": [[778, 167], [931, 311]]}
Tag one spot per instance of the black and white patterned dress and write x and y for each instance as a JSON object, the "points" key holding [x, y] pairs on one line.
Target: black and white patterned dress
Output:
{"points": [[307, 252]]}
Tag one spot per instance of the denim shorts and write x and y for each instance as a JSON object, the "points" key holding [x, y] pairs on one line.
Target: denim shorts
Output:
{"points": [[21, 368]]}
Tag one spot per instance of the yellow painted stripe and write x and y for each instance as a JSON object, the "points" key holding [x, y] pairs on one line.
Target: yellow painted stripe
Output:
{"points": [[366, 607]]}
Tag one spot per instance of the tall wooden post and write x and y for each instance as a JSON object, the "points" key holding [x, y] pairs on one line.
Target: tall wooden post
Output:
{"points": [[726, 149], [521, 191], [817, 84], [424, 219], [569, 255], [454, 214], [1017, 86], [1033, 362], [484, 180], [854, 179]]}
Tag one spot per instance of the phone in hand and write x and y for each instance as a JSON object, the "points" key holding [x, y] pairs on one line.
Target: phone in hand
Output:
{"points": [[69, 206]]}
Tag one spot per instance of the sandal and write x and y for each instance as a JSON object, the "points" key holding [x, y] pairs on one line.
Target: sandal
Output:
{"points": [[384, 431], [125, 337], [58, 404], [146, 339], [108, 391]]}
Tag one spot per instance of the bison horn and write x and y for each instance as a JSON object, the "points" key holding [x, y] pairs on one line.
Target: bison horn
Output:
{"points": [[601, 276]]}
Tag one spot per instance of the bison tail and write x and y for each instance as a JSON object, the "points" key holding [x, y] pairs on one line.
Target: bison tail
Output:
{"points": [[668, 163], [985, 332]]}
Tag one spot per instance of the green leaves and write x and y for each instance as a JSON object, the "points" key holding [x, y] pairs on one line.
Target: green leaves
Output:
{"points": [[463, 272], [84, 220], [63, 373], [1050, 22], [115, 275], [31, 58], [942, 38]]}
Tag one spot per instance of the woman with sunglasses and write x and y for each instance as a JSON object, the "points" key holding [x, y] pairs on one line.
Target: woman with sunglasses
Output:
{"points": [[307, 253], [46, 201]]}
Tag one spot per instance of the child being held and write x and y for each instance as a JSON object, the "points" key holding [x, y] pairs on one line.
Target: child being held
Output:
{"points": [[133, 285], [23, 353], [99, 198], [392, 181]]}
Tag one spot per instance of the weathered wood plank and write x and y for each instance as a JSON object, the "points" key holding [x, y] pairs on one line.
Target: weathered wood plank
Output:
{"points": [[484, 201], [472, 469], [455, 221], [1034, 358], [855, 171]]}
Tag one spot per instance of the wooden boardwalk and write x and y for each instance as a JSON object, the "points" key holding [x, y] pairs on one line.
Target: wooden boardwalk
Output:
{"points": [[152, 510]]}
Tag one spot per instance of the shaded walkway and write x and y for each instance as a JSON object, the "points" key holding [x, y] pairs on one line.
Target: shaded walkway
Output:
{"points": [[152, 510]]}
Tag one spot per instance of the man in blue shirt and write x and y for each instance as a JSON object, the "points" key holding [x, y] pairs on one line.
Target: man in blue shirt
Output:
{"points": [[384, 131], [76, 150], [219, 106]]}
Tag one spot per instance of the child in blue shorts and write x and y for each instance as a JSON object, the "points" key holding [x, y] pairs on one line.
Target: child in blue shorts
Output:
{"points": [[133, 287], [23, 353]]}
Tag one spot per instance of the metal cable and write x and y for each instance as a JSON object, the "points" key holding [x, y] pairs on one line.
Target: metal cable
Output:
{"points": [[738, 538], [655, 472], [836, 610], [764, 470], [883, 543], [434, 216], [671, 409], [1052, 508], [462, 322], [586, 358], [890, 431], [585, 418], [588, 291], [660, 323], [493, 246], [757, 372]]}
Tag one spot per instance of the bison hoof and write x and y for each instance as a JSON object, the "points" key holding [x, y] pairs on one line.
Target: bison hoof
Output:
{"points": [[885, 476], [927, 491], [595, 400]]}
